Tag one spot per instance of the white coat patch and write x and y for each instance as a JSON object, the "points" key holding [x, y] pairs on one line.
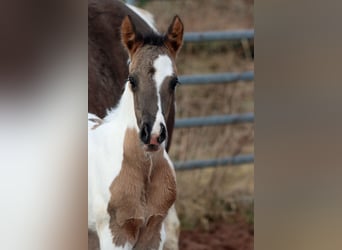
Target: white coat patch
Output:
{"points": [[163, 68]]}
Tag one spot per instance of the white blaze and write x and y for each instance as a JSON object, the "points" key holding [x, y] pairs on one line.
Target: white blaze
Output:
{"points": [[163, 67]]}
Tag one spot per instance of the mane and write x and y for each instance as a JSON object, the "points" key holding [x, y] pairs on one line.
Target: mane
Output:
{"points": [[152, 39]]}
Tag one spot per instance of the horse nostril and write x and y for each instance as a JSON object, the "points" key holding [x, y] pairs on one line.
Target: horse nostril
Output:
{"points": [[162, 135], [145, 133]]}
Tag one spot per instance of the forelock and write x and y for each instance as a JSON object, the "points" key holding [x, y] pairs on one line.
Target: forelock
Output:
{"points": [[151, 38]]}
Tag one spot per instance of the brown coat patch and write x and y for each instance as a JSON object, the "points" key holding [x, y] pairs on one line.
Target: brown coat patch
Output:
{"points": [[142, 194], [107, 57], [93, 241]]}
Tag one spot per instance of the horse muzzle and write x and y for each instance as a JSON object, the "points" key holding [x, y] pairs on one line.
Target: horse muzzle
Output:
{"points": [[152, 141]]}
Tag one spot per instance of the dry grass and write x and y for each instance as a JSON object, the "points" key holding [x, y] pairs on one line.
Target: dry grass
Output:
{"points": [[211, 194]]}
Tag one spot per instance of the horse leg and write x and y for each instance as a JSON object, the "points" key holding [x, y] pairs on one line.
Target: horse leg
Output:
{"points": [[172, 228], [93, 241]]}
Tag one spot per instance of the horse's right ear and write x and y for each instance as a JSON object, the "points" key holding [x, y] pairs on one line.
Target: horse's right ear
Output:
{"points": [[129, 36]]}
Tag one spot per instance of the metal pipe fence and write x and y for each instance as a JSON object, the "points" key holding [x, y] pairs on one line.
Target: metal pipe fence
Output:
{"points": [[216, 78], [218, 35], [214, 120], [198, 164], [201, 79]]}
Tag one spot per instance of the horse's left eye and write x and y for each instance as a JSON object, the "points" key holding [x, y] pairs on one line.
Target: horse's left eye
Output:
{"points": [[133, 82], [174, 82]]}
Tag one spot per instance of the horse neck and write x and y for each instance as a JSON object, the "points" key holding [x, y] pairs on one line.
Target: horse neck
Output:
{"points": [[124, 113]]}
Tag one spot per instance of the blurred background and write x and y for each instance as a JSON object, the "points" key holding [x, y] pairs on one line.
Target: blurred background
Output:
{"points": [[215, 203]]}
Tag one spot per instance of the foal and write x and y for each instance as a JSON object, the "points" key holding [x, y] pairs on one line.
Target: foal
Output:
{"points": [[131, 178]]}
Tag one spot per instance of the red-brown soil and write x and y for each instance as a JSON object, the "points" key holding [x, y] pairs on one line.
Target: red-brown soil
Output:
{"points": [[221, 236]]}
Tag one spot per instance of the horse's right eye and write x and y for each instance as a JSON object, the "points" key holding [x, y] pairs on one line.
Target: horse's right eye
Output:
{"points": [[133, 82]]}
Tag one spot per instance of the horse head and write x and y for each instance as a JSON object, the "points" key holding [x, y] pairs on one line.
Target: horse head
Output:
{"points": [[152, 78]]}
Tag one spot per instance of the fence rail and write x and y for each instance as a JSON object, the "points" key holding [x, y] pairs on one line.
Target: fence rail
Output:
{"points": [[214, 120], [202, 79], [218, 35], [216, 78], [198, 164]]}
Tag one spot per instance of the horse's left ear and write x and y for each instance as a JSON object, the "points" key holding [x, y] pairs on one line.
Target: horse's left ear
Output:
{"points": [[174, 35], [129, 36]]}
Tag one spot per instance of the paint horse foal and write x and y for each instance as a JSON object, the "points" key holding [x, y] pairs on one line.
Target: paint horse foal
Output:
{"points": [[131, 178]]}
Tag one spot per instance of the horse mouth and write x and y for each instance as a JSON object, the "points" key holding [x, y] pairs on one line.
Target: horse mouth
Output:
{"points": [[151, 147]]}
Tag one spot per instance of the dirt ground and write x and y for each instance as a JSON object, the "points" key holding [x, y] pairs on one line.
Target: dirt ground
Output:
{"points": [[221, 236]]}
